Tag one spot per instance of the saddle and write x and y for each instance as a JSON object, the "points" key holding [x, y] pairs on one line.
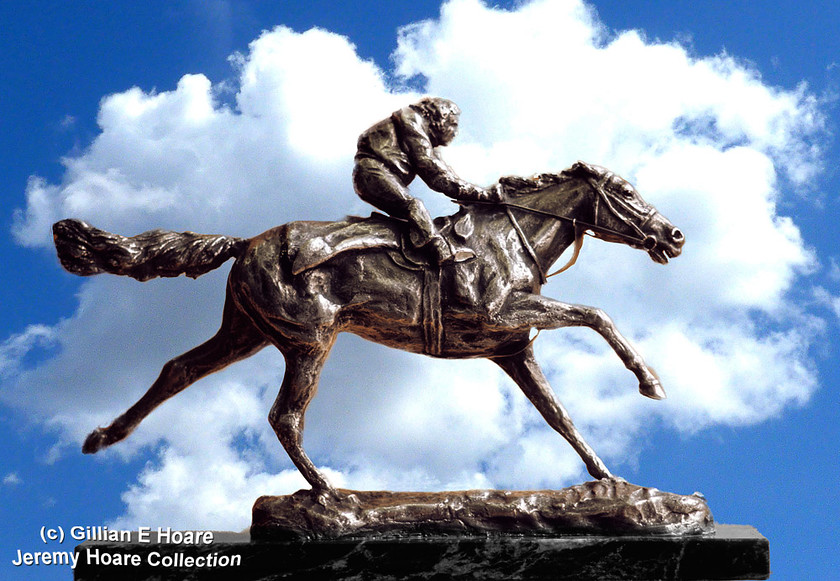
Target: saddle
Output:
{"points": [[320, 243]]}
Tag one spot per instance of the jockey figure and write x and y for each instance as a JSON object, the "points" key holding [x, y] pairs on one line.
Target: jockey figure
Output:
{"points": [[392, 152]]}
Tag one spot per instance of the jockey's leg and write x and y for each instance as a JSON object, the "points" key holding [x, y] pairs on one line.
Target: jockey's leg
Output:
{"points": [[376, 185], [424, 234]]}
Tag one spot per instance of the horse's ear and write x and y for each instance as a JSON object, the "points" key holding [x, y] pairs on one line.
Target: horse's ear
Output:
{"points": [[582, 168]]}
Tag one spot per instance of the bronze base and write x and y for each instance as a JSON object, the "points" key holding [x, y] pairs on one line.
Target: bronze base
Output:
{"points": [[610, 506]]}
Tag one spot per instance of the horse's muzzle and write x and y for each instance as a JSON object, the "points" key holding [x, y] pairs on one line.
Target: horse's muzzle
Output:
{"points": [[669, 246]]}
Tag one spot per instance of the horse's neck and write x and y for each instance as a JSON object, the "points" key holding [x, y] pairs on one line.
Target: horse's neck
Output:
{"points": [[550, 237]]}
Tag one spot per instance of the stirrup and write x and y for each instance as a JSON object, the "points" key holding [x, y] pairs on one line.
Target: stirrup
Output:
{"points": [[463, 254]]}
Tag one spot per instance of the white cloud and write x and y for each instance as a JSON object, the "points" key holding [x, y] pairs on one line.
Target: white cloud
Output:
{"points": [[16, 347], [12, 479], [824, 298], [540, 86]]}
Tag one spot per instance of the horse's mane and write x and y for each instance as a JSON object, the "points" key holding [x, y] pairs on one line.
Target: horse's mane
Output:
{"points": [[520, 186]]}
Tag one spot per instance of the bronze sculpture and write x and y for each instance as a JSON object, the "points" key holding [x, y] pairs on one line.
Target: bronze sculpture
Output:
{"points": [[298, 285]]}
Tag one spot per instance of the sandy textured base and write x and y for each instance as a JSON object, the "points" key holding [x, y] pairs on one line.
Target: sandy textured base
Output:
{"points": [[600, 507]]}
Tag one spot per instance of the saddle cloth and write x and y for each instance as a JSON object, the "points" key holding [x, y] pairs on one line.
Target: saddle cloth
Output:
{"points": [[319, 243]]}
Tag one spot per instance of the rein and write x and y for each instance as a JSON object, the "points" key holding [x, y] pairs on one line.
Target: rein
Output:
{"points": [[574, 221], [580, 226]]}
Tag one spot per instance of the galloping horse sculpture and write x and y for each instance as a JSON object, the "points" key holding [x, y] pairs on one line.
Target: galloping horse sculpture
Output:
{"points": [[298, 285]]}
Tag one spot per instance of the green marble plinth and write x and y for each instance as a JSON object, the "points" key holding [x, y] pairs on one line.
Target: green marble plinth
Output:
{"points": [[732, 552]]}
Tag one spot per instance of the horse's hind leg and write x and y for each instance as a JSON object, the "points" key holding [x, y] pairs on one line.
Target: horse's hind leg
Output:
{"points": [[525, 371], [236, 339], [303, 369]]}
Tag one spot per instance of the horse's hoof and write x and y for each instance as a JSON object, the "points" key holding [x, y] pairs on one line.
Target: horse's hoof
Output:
{"points": [[326, 497], [332, 497], [652, 389], [95, 441]]}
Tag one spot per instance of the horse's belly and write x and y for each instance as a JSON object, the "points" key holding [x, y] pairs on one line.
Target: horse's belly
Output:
{"points": [[473, 339], [407, 338]]}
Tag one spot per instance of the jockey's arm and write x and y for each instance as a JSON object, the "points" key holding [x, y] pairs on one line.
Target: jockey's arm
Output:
{"points": [[428, 164]]}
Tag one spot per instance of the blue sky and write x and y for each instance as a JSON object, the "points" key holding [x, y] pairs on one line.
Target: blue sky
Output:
{"points": [[730, 132]]}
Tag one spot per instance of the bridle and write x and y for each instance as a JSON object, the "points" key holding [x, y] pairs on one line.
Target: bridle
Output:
{"points": [[646, 241], [643, 240]]}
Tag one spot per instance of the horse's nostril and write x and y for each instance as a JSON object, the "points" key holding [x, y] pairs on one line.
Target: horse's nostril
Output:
{"points": [[677, 235]]}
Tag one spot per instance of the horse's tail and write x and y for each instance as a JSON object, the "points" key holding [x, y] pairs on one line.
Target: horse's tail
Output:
{"points": [[85, 250]]}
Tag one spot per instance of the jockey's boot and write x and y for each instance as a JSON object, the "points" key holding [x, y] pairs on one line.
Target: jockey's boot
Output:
{"points": [[424, 235], [439, 250]]}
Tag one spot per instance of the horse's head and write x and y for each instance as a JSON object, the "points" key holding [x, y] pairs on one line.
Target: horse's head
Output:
{"points": [[621, 215]]}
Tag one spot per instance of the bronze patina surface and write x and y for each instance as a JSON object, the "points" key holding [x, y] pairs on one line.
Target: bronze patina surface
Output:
{"points": [[468, 286], [609, 506]]}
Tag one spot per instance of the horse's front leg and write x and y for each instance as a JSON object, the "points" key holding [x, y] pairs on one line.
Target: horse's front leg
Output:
{"points": [[536, 311], [525, 371]]}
